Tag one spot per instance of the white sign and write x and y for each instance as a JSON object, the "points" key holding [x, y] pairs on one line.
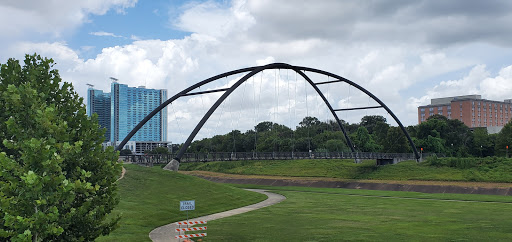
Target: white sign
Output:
{"points": [[187, 205]]}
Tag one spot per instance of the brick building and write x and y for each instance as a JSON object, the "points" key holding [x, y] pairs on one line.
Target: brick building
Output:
{"points": [[472, 110]]}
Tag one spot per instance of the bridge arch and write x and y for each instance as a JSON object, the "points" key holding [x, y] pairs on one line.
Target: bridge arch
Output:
{"points": [[251, 72]]}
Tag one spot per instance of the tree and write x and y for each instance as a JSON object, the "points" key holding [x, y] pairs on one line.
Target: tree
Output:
{"points": [[56, 181], [309, 122], [482, 143], [454, 135], [334, 145], [363, 141], [263, 126], [396, 141], [125, 152], [370, 122], [504, 139]]}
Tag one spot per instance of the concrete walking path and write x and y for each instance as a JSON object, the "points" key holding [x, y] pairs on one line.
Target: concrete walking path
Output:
{"points": [[167, 233]]}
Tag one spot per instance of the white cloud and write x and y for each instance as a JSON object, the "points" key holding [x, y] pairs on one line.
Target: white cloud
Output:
{"points": [[477, 81], [103, 33], [341, 37], [51, 17], [499, 87], [214, 19]]}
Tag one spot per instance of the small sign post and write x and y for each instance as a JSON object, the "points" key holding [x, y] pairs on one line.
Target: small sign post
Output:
{"points": [[187, 205]]}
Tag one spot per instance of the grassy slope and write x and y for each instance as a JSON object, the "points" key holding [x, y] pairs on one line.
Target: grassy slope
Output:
{"points": [[347, 169], [314, 216], [149, 198]]}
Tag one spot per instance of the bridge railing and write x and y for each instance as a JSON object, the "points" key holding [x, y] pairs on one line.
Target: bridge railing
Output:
{"points": [[151, 159]]}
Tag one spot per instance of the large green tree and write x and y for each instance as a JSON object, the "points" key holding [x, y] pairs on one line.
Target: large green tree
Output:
{"points": [[453, 134], [364, 142], [56, 181], [396, 141], [504, 140]]}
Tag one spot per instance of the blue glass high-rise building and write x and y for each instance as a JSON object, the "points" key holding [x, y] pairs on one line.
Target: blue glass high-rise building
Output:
{"points": [[129, 105], [99, 102]]}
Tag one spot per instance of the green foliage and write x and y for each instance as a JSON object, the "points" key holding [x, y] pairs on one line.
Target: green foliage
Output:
{"points": [[56, 182], [442, 135], [364, 142], [395, 141], [125, 152], [504, 139], [482, 144], [374, 123]]}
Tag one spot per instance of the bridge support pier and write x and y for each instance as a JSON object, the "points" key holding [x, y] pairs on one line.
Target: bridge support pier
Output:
{"points": [[390, 161], [174, 165]]}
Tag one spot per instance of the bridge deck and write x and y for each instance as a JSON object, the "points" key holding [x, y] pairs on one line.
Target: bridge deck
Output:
{"points": [[232, 156]]}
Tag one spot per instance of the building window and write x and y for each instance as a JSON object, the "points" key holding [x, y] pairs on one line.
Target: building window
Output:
{"points": [[431, 109], [422, 110]]}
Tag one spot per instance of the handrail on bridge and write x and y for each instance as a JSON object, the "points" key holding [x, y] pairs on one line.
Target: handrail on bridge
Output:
{"points": [[234, 156]]}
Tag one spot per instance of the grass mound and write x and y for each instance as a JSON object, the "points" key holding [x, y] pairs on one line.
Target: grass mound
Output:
{"points": [[329, 215], [490, 169], [149, 198]]}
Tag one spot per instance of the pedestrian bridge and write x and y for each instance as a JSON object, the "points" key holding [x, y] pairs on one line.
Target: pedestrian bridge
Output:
{"points": [[302, 73], [381, 158]]}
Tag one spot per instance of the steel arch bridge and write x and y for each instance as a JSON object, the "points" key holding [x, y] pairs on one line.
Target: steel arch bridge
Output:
{"points": [[251, 71]]}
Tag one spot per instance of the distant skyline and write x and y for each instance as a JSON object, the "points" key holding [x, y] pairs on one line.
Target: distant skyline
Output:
{"points": [[405, 52]]}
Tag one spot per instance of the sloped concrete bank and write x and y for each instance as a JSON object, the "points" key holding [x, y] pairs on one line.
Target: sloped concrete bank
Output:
{"points": [[504, 191]]}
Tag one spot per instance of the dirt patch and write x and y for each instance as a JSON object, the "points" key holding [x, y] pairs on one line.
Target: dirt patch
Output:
{"points": [[487, 188]]}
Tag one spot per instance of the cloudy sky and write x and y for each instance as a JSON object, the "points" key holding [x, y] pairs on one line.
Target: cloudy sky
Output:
{"points": [[405, 52]]}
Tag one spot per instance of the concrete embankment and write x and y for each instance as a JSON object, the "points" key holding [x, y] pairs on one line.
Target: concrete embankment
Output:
{"points": [[454, 187]]}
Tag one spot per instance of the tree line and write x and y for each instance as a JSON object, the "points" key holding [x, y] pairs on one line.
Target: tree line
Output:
{"points": [[373, 134]]}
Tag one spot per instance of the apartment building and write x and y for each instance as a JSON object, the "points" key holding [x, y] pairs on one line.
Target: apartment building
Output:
{"points": [[472, 110]]}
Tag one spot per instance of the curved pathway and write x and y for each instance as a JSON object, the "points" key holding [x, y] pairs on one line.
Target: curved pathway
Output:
{"points": [[123, 171], [166, 232]]}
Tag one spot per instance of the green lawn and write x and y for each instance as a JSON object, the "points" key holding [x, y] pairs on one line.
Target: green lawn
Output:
{"points": [[149, 198], [474, 169], [328, 215]]}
